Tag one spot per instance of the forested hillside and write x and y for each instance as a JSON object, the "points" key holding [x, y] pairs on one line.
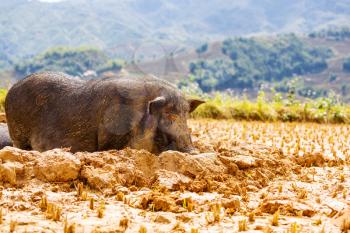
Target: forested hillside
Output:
{"points": [[73, 61], [250, 62]]}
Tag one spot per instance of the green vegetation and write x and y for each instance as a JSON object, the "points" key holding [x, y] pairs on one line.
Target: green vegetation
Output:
{"points": [[73, 61], [202, 49], [333, 33], [346, 65], [297, 86], [332, 77], [322, 110], [111, 65], [312, 92], [3, 93], [251, 62]]}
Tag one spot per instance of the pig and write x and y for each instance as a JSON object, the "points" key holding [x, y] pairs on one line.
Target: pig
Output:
{"points": [[5, 139], [50, 110]]}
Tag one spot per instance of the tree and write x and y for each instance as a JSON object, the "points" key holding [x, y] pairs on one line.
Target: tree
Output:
{"points": [[202, 49], [346, 65], [73, 61]]}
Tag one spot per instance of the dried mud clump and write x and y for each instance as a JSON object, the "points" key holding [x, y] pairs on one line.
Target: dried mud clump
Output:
{"points": [[156, 201], [311, 159], [8, 172], [235, 171], [287, 207], [2, 118], [57, 166], [16, 166]]}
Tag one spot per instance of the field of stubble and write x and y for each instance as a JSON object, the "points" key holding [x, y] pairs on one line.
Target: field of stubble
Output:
{"points": [[249, 177]]}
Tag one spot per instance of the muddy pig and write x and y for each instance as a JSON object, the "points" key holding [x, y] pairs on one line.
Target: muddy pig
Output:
{"points": [[53, 110], [5, 139]]}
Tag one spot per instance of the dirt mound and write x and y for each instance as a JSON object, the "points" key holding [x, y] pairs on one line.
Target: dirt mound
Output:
{"points": [[234, 171], [57, 181], [2, 118]]}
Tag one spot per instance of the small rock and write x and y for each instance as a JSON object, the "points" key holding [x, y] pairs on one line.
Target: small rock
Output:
{"points": [[179, 162], [145, 189], [8, 173], [311, 159], [210, 162], [233, 203], [191, 165], [133, 188], [2, 118], [14, 154], [162, 203], [98, 177], [162, 219], [57, 166], [121, 189], [184, 217], [230, 163], [244, 162], [252, 188], [170, 179], [287, 207]]}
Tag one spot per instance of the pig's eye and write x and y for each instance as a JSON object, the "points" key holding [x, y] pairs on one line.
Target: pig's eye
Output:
{"points": [[171, 117]]}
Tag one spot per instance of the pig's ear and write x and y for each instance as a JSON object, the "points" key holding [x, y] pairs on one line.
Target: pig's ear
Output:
{"points": [[156, 105], [194, 103]]}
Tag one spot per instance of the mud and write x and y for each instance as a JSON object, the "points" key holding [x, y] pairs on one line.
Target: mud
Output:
{"points": [[230, 185]]}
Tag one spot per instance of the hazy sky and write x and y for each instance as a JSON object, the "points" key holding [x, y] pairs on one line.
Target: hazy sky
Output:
{"points": [[50, 0]]}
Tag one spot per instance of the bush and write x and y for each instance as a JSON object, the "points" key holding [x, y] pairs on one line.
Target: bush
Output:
{"points": [[332, 33], [212, 108], [346, 65], [202, 49], [111, 65], [208, 110]]}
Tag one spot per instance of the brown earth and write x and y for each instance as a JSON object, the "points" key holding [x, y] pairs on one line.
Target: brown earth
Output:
{"points": [[232, 185], [2, 118]]}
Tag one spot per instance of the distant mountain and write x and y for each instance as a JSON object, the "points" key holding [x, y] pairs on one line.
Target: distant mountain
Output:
{"points": [[29, 27]]}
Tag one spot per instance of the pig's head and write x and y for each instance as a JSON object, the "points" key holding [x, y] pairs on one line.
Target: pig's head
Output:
{"points": [[171, 114]]}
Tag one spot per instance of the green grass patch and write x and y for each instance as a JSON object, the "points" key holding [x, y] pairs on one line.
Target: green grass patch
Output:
{"points": [[3, 93], [322, 110]]}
